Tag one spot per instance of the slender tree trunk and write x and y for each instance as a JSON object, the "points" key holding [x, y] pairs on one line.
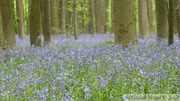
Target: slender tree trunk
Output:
{"points": [[105, 15], [83, 16], [47, 22], [99, 21], [112, 16], [178, 17], [20, 15], [35, 23], [76, 35], [150, 15], [54, 17], [170, 38], [175, 17], [162, 18], [29, 14], [125, 22], [67, 17], [7, 13], [91, 23], [1, 33], [143, 19], [63, 16]]}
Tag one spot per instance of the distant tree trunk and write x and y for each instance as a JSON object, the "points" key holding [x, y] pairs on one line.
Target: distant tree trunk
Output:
{"points": [[7, 13], [63, 16], [35, 23], [47, 22], [105, 15], [150, 15], [170, 39], [83, 16], [54, 17], [67, 17], [98, 13], [143, 19], [125, 22], [20, 15], [175, 17], [91, 23], [1, 33], [29, 14], [178, 17], [162, 18], [76, 35], [112, 16]]}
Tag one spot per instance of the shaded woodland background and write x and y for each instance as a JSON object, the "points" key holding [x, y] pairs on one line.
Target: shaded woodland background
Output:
{"points": [[74, 17]]}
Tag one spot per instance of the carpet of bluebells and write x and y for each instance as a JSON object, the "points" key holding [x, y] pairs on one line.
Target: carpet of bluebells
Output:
{"points": [[89, 69]]}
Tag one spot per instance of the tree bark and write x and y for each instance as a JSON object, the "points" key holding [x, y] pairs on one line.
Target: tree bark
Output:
{"points": [[125, 22], [1, 33], [20, 15], [54, 17], [150, 15], [171, 13], [35, 23], [162, 18], [105, 15], [47, 22], [91, 23], [83, 16], [143, 19], [98, 13], [76, 35], [178, 17], [112, 16], [63, 16], [7, 13]]}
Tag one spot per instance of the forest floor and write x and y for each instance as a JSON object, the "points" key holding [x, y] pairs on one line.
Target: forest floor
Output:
{"points": [[89, 69]]}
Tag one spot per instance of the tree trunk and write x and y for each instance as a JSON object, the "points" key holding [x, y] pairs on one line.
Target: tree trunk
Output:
{"points": [[1, 33], [7, 13], [83, 16], [63, 16], [112, 16], [171, 13], [76, 35], [54, 17], [29, 14], [143, 19], [178, 17], [105, 15], [125, 22], [47, 22], [67, 17], [99, 21], [91, 23], [162, 18], [175, 16], [35, 23], [150, 15], [20, 15]]}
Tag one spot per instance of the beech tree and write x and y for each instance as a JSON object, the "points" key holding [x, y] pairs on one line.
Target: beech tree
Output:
{"points": [[91, 14], [20, 15], [35, 23], [1, 33], [171, 11], [162, 18], [47, 21], [54, 17], [125, 22], [143, 19], [178, 17], [7, 13], [76, 33]]}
